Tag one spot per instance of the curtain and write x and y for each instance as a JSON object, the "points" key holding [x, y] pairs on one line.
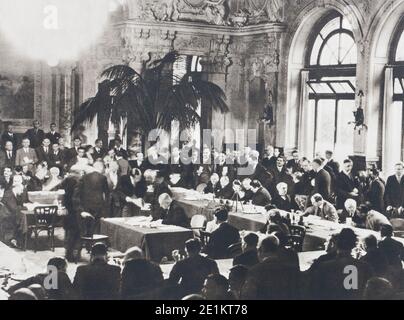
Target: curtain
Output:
{"points": [[306, 118]]}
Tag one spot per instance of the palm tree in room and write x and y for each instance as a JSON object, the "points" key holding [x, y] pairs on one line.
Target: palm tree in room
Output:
{"points": [[151, 100]]}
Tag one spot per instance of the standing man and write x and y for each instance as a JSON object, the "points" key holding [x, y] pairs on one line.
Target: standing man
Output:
{"points": [[99, 151], [71, 154], [35, 135], [94, 194], [53, 135], [375, 193], [331, 163], [346, 185], [322, 180], [295, 162], [394, 195], [9, 135], [26, 155]]}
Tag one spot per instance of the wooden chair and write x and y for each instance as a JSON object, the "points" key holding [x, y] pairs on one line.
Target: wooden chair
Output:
{"points": [[235, 250], [45, 219], [205, 237], [90, 239], [198, 224], [297, 231], [296, 239]]}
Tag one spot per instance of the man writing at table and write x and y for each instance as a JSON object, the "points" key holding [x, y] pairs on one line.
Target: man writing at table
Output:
{"points": [[170, 212], [322, 209]]}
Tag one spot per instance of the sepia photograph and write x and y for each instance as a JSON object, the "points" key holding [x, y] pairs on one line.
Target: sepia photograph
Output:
{"points": [[217, 151]]}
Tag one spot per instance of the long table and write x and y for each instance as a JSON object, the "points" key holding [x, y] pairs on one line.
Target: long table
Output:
{"points": [[318, 231], [156, 242]]}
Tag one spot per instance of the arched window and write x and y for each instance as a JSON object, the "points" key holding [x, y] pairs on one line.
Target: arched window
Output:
{"points": [[396, 118], [331, 63]]}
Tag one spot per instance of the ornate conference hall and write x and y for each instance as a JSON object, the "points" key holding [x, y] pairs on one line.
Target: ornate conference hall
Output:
{"points": [[201, 150]]}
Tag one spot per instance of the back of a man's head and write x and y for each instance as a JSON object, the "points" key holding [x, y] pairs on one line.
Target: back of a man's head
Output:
{"points": [[251, 240], [370, 242], [269, 245], [346, 240], [220, 282], [378, 289], [23, 294], [58, 262], [386, 231], [193, 247], [238, 275], [134, 253], [282, 237], [221, 215]]}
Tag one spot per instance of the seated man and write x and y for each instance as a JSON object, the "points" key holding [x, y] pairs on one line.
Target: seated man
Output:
{"points": [[171, 213], [216, 288], [329, 279], [322, 209], [249, 257], [282, 200], [276, 222], [351, 211], [213, 185], [393, 249], [223, 237], [248, 194], [237, 277], [226, 189], [370, 219], [261, 195], [56, 269], [98, 280], [273, 278], [191, 272], [6, 180], [141, 278]]}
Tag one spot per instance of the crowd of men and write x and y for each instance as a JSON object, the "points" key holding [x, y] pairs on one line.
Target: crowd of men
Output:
{"points": [[110, 181]]}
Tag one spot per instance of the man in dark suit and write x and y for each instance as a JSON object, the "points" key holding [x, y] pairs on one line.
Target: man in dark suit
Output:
{"points": [[141, 278], [44, 151], [392, 249], [223, 237], [330, 279], [191, 272], [71, 154], [261, 195], [94, 193], [57, 157], [8, 155], [160, 187], [346, 185], [331, 163], [226, 189], [269, 160], [273, 278], [6, 180], [249, 257], [375, 193], [35, 135], [255, 171], [394, 195], [99, 151], [322, 180], [8, 135], [118, 148], [170, 212], [282, 200], [98, 280], [53, 135], [295, 162]]}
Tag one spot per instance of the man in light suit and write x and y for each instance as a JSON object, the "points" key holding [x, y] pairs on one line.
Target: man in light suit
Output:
{"points": [[26, 155], [322, 209]]}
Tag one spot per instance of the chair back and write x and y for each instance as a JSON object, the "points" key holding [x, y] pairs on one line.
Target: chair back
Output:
{"points": [[235, 250], [297, 231], [45, 216], [296, 243], [198, 223], [205, 237]]}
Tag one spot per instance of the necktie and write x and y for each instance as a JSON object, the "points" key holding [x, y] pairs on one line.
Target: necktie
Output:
{"points": [[46, 150], [9, 154]]}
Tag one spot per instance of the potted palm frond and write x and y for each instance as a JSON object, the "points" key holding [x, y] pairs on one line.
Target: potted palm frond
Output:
{"points": [[150, 100]]}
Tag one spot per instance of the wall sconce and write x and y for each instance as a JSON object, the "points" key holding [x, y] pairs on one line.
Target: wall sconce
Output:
{"points": [[359, 115]]}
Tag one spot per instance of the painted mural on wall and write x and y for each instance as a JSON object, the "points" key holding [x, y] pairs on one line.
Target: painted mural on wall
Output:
{"points": [[16, 96]]}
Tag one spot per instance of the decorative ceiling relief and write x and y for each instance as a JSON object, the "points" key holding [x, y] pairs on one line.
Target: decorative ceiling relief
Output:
{"points": [[237, 13]]}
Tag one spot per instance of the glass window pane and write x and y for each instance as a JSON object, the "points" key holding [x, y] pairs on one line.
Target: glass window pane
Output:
{"points": [[325, 126], [348, 54], [330, 27], [329, 55], [397, 86], [400, 49], [321, 88], [345, 131], [315, 51]]}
